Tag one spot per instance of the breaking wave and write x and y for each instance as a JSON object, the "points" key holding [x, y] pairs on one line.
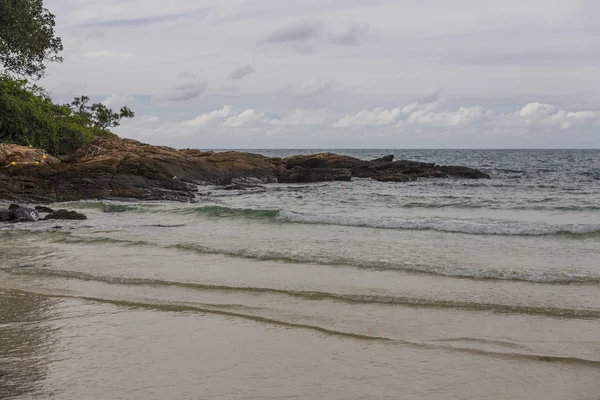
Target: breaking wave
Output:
{"points": [[467, 226]]}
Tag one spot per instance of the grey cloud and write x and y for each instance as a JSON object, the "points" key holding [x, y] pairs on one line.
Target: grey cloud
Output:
{"points": [[581, 57], [240, 72], [307, 89], [150, 20], [349, 37], [94, 35], [187, 91], [430, 97], [295, 33], [186, 75]]}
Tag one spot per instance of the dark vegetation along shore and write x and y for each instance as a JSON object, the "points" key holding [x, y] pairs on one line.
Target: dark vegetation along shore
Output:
{"points": [[123, 168]]}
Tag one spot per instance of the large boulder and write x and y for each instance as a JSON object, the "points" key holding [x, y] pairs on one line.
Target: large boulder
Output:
{"points": [[23, 214]]}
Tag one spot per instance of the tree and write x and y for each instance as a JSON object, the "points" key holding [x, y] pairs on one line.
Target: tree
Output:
{"points": [[27, 38], [29, 117], [97, 115]]}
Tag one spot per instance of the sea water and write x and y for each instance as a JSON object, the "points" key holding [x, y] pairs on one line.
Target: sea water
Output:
{"points": [[434, 289]]}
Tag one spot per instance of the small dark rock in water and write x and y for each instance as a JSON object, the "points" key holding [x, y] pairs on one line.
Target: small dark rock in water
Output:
{"points": [[6, 215], [65, 214], [43, 209], [389, 158], [57, 227], [23, 214]]}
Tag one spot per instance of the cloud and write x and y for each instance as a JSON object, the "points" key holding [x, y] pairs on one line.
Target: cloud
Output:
{"points": [[240, 72], [117, 99], [462, 117], [350, 36], [148, 19], [535, 110], [244, 118], [544, 115], [539, 115], [204, 119], [303, 117], [149, 118], [295, 33], [186, 75], [106, 54], [94, 35], [377, 116], [187, 91], [308, 88]]}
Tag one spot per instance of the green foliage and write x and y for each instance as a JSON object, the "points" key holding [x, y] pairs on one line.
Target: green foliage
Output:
{"points": [[29, 117], [98, 115], [27, 38]]}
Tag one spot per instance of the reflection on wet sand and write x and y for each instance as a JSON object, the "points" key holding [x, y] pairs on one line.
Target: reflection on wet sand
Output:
{"points": [[26, 339]]}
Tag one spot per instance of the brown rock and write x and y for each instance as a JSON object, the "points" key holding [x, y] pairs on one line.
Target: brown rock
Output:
{"points": [[393, 178], [117, 168], [307, 175], [64, 214]]}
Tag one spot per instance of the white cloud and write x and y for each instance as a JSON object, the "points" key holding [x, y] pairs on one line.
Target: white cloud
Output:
{"points": [[244, 118], [377, 116], [303, 117], [117, 100], [546, 115], [204, 119], [462, 117], [150, 118], [535, 110], [533, 115]]}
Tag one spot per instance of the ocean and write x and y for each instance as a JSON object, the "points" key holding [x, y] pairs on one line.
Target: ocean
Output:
{"points": [[434, 289]]}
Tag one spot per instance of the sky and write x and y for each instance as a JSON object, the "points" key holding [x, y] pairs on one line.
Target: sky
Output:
{"points": [[337, 73]]}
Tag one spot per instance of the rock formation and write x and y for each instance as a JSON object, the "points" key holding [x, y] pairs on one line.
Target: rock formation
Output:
{"points": [[18, 213], [124, 168]]}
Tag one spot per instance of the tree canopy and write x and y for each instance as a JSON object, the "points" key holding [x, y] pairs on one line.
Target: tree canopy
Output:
{"points": [[27, 38], [28, 116]]}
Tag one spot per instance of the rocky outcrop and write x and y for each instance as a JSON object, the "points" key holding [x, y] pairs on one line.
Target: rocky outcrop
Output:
{"points": [[66, 215], [17, 213], [124, 168]]}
